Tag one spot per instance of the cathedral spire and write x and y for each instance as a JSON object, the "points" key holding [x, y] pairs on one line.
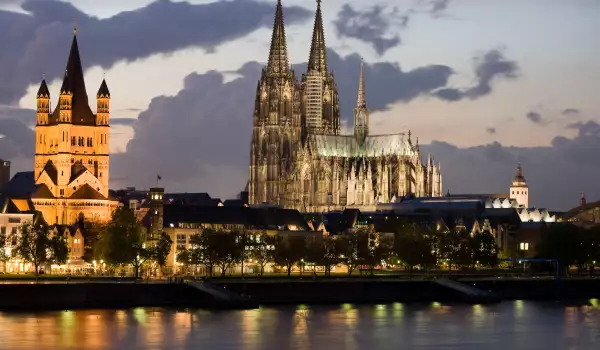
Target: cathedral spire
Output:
{"points": [[318, 58], [278, 59], [361, 102]]}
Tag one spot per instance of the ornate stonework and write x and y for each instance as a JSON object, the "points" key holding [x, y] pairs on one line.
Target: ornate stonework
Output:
{"points": [[298, 158], [72, 151]]}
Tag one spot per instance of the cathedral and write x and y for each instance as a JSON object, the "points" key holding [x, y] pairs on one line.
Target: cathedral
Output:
{"points": [[72, 151], [299, 159]]}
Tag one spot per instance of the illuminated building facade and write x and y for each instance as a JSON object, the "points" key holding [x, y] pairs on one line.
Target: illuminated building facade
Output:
{"points": [[298, 158], [72, 151]]}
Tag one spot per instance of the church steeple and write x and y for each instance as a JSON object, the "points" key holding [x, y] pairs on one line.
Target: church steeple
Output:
{"points": [[361, 113], [318, 57], [73, 104], [278, 64], [361, 102]]}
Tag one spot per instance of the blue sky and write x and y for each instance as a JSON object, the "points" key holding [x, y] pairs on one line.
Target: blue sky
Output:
{"points": [[551, 43]]}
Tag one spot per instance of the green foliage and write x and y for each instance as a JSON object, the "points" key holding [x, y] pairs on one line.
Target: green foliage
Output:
{"points": [[347, 246], [568, 244], [122, 241], [3, 256], [289, 251], [35, 246], [262, 252], [160, 249], [324, 253], [414, 246], [484, 250], [373, 248]]}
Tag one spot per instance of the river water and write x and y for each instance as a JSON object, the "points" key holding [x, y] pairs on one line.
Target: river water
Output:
{"points": [[508, 325]]}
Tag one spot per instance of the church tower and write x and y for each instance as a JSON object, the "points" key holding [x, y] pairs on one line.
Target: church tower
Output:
{"points": [[71, 150], [320, 99], [519, 189], [277, 128], [157, 207], [361, 113]]}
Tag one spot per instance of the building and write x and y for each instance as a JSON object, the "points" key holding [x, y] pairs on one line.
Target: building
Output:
{"points": [[299, 159], [13, 214], [71, 169], [519, 190], [4, 173], [181, 221]]}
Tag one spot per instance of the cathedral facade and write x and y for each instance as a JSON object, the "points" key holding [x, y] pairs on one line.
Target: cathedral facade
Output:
{"points": [[299, 159], [72, 151]]}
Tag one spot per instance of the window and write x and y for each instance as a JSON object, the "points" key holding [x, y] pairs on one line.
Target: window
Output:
{"points": [[524, 246]]}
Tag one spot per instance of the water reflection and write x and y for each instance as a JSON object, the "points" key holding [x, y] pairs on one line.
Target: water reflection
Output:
{"points": [[514, 325]]}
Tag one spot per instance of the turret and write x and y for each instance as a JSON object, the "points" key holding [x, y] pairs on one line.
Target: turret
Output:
{"points": [[103, 104], [519, 190], [157, 208], [43, 104]]}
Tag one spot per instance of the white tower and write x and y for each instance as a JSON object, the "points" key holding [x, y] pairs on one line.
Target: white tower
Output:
{"points": [[519, 189]]}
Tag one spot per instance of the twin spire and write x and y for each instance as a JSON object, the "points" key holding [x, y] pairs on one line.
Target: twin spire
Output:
{"points": [[278, 65], [361, 102]]}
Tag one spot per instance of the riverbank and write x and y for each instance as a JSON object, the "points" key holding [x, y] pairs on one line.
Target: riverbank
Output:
{"points": [[225, 294], [332, 291]]}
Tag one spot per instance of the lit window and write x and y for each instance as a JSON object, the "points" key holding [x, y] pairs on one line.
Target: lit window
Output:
{"points": [[524, 246]]}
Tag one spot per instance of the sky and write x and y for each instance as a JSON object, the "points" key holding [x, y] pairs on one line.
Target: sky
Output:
{"points": [[484, 85]]}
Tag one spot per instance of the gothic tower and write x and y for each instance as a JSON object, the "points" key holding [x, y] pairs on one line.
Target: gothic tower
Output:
{"points": [[320, 101], [157, 207], [519, 189], [361, 113], [71, 150], [277, 127]]}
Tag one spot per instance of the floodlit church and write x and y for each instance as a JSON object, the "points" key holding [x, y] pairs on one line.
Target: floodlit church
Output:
{"points": [[72, 151], [298, 157]]}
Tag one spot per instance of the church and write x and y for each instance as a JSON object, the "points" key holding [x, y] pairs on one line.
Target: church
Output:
{"points": [[71, 170], [299, 159]]}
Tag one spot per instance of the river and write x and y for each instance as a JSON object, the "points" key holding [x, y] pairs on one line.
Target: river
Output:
{"points": [[508, 325]]}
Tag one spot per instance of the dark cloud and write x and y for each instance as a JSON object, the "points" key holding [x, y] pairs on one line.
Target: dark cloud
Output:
{"points": [[571, 112], [438, 7], [386, 83], [555, 174], [38, 42], [17, 140], [535, 117], [373, 26], [489, 67], [490, 130]]}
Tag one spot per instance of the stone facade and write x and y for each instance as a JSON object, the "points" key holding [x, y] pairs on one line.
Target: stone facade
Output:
{"points": [[72, 151], [298, 158]]}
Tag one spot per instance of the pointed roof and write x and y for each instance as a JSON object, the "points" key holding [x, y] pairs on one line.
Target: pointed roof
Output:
{"points": [[318, 58], [87, 192], [74, 83], [43, 90], [361, 101], [519, 178], [42, 191], [103, 91], [278, 64]]}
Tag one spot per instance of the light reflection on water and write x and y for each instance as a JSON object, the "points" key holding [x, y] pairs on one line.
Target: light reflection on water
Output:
{"points": [[509, 325]]}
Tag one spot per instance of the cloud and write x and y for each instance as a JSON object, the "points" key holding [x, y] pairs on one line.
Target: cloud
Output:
{"points": [[373, 26], [490, 130], [571, 112], [438, 7], [489, 67], [122, 121], [38, 41], [386, 83], [535, 117]]}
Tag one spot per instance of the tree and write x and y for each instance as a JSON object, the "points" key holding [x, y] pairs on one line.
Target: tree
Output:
{"points": [[34, 245], [262, 251], [483, 249], [159, 250], [289, 251], [3, 256], [561, 241], [413, 247], [122, 241], [323, 253], [347, 246], [373, 248]]}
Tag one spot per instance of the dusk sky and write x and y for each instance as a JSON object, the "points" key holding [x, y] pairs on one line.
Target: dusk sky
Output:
{"points": [[483, 84]]}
